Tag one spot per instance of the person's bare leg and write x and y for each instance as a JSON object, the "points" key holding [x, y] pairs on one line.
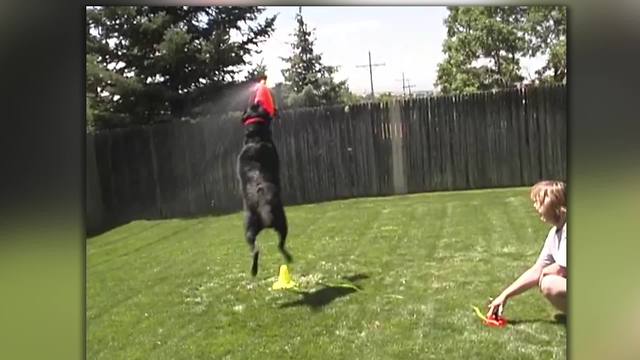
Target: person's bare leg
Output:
{"points": [[554, 288]]}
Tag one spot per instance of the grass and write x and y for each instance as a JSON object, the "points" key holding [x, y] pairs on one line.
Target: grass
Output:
{"points": [[181, 289]]}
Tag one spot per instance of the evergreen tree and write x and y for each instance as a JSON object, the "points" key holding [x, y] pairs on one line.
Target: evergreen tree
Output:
{"points": [[148, 62], [309, 81]]}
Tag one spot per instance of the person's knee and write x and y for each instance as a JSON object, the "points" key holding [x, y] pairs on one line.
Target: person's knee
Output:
{"points": [[553, 286]]}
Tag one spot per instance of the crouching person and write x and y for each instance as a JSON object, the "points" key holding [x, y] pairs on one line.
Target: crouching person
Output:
{"points": [[549, 272]]}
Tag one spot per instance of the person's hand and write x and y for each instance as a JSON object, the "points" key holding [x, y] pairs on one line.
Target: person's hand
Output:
{"points": [[553, 269], [497, 306]]}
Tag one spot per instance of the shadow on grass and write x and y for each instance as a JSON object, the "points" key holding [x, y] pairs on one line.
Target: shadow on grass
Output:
{"points": [[355, 278], [319, 298], [558, 319]]}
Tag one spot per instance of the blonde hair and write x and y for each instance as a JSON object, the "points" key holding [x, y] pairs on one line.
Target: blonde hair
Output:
{"points": [[551, 194]]}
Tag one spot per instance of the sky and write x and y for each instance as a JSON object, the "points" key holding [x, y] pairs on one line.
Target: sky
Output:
{"points": [[404, 38]]}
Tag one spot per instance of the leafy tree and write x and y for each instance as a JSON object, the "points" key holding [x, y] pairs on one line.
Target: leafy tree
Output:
{"points": [[484, 46], [144, 62], [308, 97], [388, 97], [546, 28], [349, 98]]}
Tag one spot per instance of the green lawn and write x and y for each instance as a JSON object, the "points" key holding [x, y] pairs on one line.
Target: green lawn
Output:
{"points": [[181, 289]]}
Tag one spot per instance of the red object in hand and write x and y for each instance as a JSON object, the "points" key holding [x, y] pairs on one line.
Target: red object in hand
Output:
{"points": [[496, 321]]}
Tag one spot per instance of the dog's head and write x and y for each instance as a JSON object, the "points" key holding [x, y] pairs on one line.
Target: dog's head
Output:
{"points": [[256, 114], [261, 105], [257, 124]]}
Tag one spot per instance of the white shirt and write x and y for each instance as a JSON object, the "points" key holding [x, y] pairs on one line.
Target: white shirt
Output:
{"points": [[555, 247]]}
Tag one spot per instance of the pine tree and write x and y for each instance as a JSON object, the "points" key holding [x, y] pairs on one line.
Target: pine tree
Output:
{"points": [[145, 62], [257, 70], [308, 81]]}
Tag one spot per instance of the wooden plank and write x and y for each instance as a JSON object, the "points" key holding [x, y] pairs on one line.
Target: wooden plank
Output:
{"points": [[434, 151], [469, 126], [534, 134], [561, 128], [502, 158], [362, 124], [461, 131], [340, 152], [382, 158], [484, 140], [442, 153], [291, 134], [445, 142], [352, 149], [473, 139], [371, 137], [425, 131], [523, 139], [544, 134], [490, 131], [453, 103], [514, 138], [410, 142]]}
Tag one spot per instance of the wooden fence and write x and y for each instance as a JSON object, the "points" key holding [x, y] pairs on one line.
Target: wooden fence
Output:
{"points": [[483, 140]]}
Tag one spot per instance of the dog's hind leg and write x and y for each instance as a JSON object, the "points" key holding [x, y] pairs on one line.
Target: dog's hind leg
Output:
{"points": [[252, 229], [282, 229], [251, 239]]}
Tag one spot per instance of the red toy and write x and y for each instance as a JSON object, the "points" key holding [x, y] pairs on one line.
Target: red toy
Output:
{"points": [[262, 97], [493, 321]]}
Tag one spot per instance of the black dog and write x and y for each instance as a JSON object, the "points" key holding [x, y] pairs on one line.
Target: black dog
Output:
{"points": [[259, 175]]}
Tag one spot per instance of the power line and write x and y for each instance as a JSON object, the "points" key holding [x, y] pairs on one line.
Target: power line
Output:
{"points": [[371, 73]]}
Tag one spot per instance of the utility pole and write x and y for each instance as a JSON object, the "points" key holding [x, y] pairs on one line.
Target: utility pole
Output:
{"points": [[371, 73], [409, 86], [405, 85]]}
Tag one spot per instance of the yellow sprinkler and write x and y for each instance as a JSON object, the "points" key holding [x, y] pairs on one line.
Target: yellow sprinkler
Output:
{"points": [[284, 279]]}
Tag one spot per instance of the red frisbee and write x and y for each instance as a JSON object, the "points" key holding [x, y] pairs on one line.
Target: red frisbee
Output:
{"points": [[263, 96]]}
